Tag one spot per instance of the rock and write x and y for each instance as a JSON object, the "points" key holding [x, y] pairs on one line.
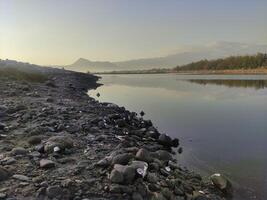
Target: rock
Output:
{"points": [[33, 140], [21, 177], [2, 196], [121, 189], [39, 148], [122, 159], [50, 100], [116, 176], [137, 196], [180, 150], [104, 162], [62, 142], [221, 183], [2, 126], [165, 140], [122, 174], [143, 155], [35, 154], [19, 151], [157, 196], [152, 178], [175, 142], [45, 163], [4, 174], [54, 192], [9, 161], [153, 134]]}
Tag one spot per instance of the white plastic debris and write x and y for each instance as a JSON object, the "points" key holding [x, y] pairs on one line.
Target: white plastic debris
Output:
{"points": [[168, 169], [56, 149]]}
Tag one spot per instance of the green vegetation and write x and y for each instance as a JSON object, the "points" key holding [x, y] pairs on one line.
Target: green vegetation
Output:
{"points": [[16, 74], [233, 62]]}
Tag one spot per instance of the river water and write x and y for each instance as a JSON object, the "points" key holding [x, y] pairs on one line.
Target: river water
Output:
{"points": [[221, 121]]}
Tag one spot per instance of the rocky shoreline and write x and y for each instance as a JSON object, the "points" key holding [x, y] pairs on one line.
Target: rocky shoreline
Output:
{"points": [[56, 142]]}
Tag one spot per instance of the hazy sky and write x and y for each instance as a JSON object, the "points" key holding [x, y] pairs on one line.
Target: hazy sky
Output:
{"points": [[61, 31]]}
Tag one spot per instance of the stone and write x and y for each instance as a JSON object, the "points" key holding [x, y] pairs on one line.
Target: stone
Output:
{"points": [[116, 176], [165, 140], [21, 177], [2, 196], [9, 161], [121, 189], [122, 159], [2, 126], [143, 155], [50, 100], [137, 196], [62, 142], [34, 140], [152, 178], [122, 174], [39, 148], [175, 142], [19, 151], [54, 192], [221, 183], [157, 196], [45, 163], [4, 174]]}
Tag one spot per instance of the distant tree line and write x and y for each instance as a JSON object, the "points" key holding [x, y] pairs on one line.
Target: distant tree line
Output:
{"points": [[232, 62]]}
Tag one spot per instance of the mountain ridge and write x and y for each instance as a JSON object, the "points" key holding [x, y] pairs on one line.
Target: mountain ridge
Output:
{"points": [[213, 51]]}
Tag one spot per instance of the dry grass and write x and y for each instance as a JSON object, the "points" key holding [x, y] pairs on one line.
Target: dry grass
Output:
{"points": [[16, 74]]}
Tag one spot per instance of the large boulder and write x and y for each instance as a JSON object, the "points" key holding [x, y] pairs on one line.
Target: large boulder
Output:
{"points": [[221, 183]]}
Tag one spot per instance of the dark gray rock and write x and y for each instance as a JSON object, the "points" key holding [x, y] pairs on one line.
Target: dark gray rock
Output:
{"points": [[54, 192], [19, 151], [122, 174], [46, 164], [21, 177], [4, 174], [165, 140], [143, 155], [122, 159], [34, 140]]}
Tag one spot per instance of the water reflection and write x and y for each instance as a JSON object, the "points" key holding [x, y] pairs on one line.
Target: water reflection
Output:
{"points": [[257, 84]]}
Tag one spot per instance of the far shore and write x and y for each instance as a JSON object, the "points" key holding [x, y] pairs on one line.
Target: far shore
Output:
{"points": [[258, 71]]}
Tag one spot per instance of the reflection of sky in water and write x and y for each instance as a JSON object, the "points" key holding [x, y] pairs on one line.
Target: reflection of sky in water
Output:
{"points": [[227, 125]]}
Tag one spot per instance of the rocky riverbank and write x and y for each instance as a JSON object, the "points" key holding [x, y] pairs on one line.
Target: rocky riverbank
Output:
{"points": [[56, 142]]}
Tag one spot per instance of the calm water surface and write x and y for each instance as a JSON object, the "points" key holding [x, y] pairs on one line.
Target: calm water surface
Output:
{"points": [[221, 120]]}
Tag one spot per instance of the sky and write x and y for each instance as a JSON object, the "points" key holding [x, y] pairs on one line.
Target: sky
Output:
{"points": [[59, 32]]}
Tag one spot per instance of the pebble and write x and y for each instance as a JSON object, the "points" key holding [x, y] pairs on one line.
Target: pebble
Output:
{"points": [[21, 177]]}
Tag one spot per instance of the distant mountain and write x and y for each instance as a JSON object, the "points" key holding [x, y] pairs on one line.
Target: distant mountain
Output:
{"points": [[86, 65], [213, 51]]}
